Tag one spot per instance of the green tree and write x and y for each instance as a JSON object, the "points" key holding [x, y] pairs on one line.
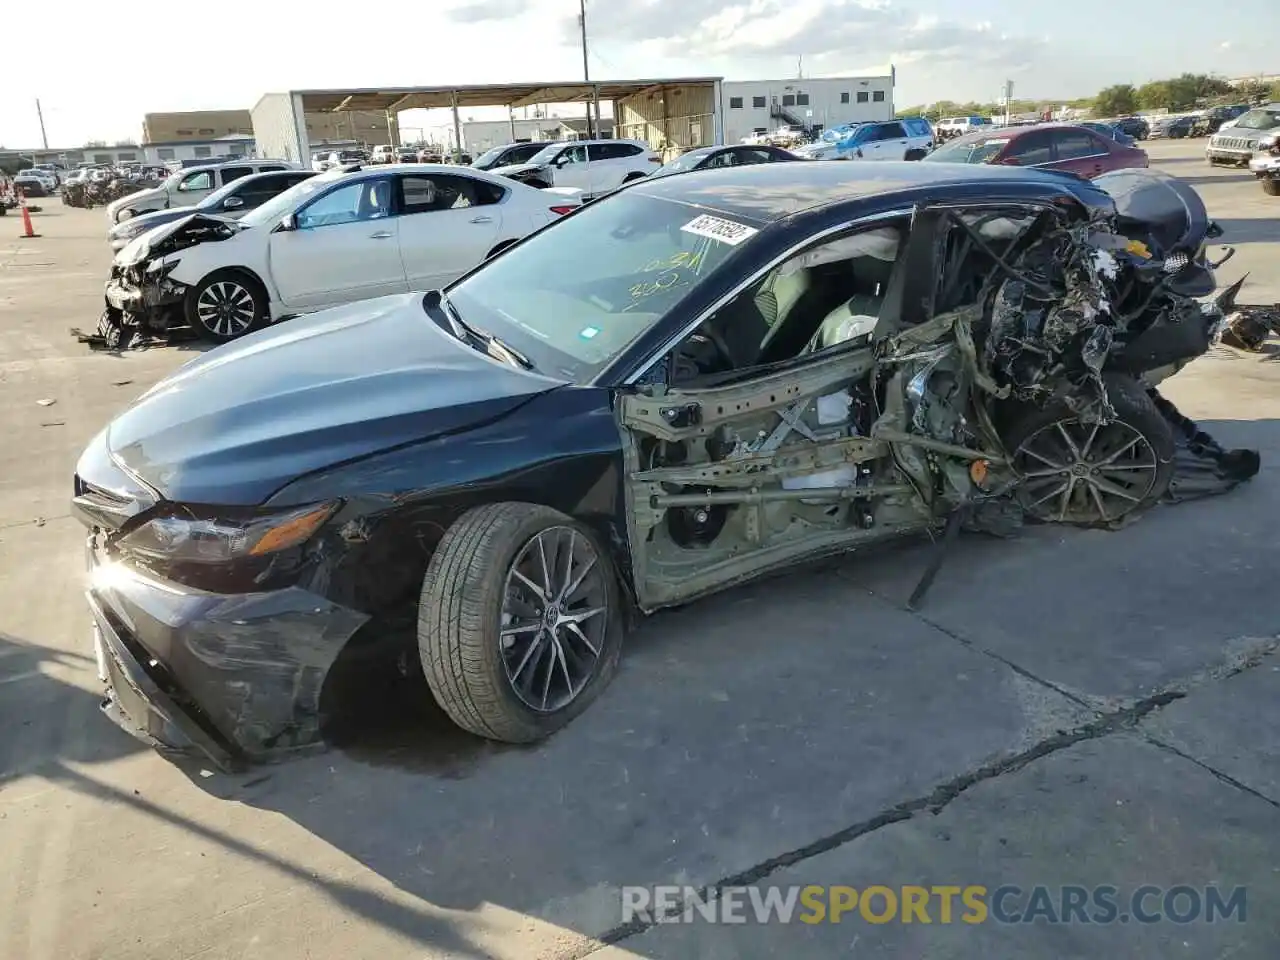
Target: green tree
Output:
{"points": [[1116, 101], [1154, 95], [1251, 90]]}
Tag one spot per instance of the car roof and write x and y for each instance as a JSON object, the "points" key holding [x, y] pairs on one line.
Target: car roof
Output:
{"points": [[767, 192]]}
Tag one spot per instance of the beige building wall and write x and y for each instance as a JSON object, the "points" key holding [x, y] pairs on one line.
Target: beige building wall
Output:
{"points": [[195, 125], [368, 126]]}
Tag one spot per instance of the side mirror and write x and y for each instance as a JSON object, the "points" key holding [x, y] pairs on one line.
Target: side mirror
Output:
{"points": [[562, 159], [288, 223], [232, 203]]}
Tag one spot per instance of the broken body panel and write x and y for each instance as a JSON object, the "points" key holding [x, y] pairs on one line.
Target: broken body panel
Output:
{"points": [[692, 481]]}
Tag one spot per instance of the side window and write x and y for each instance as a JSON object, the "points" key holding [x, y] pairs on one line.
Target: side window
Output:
{"points": [[234, 173], [892, 131], [1074, 144], [575, 154], [722, 159], [196, 181], [826, 296], [433, 193], [757, 156], [261, 190], [352, 202], [1031, 149], [607, 151], [270, 168]]}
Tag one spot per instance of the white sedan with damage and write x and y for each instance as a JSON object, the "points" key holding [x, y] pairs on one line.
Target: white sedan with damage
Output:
{"points": [[333, 239]]}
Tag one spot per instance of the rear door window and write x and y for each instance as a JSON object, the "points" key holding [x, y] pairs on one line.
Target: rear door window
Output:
{"points": [[1031, 149], [1075, 144]]}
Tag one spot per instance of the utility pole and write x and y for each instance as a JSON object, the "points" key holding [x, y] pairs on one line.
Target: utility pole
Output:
{"points": [[586, 68], [44, 138]]}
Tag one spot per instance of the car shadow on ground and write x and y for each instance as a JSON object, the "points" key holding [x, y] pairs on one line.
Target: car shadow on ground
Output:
{"points": [[750, 724], [47, 722]]}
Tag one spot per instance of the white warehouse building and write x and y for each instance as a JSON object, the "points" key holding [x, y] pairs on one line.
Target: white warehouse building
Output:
{"points": [[760, 106]]}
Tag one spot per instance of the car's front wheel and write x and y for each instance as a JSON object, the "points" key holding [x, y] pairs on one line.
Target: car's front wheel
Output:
{"points": [[1093, 474], [226, 305], [1271, 187], [519, 622]]}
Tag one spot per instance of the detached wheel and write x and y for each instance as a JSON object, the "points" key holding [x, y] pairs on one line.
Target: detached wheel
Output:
{"points": [[519, 626], [226, 305], [1090, 474], [1271, 187]]}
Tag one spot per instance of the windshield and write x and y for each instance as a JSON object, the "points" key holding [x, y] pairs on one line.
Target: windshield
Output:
{"points": [[680, 164], [487, 159], [546, 154], [972, 149], [1162, 208], [576, 295], [215, 199], [283, 203], [1259, 120]]}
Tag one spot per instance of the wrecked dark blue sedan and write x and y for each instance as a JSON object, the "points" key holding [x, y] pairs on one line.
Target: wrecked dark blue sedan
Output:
{"points": [[686, 385]]}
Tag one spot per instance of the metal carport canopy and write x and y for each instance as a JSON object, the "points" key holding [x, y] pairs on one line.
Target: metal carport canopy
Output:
{"points": [[396, 99]]}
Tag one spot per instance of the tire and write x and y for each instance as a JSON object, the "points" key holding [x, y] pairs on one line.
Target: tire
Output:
{"points": [[469, 589], [221, 287], [1271, 187], [1143, 471]]}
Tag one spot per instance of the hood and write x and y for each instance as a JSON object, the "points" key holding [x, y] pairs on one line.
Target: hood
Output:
{"points": [[238, 423], [154, 193], [176, 235], [136, 226], [516, 168]]}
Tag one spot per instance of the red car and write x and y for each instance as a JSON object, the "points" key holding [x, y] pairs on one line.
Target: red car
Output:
{"points": [[1050, 146]]}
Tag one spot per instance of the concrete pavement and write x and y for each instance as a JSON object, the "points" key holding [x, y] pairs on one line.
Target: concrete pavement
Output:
{"points": [[1069, 708]]}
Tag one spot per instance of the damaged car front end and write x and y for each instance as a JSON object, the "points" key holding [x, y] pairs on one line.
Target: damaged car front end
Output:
{"points": [[142, 301], [745, 370]]}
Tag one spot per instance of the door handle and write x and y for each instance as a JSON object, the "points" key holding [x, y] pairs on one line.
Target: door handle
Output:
{"points": [[482, 219], [381, 235]]}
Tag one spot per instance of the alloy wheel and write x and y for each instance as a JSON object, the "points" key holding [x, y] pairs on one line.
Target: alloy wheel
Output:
{"points": [[1075, 472], [554, 618], [226, 308]]}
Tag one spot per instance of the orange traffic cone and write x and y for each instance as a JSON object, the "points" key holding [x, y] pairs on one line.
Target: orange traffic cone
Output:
{"points": [[28, 231]]}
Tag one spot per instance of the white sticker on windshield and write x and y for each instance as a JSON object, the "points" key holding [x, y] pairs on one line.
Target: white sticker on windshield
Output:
{"points": [[726, 231]]}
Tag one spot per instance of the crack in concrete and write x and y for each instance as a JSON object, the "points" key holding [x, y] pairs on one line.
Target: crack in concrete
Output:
{"points": [[1220, 775], [1105, 724], [933, 803], [35, 522]]}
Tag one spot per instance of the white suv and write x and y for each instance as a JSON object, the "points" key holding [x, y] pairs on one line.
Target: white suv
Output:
{"points": [[593, 166]]}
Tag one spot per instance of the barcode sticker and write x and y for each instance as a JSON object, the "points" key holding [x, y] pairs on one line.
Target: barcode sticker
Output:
{"points": [[725, 231]]}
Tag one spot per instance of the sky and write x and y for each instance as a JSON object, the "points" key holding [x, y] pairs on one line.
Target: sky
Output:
{"points": [[97, 74]]}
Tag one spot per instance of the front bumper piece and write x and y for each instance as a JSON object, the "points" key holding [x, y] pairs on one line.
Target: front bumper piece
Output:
{"points": [[1265, 166], [235, 679]]}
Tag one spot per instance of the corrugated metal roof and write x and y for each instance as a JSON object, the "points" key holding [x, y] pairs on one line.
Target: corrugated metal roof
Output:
{"points": [[483, 95]]}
